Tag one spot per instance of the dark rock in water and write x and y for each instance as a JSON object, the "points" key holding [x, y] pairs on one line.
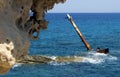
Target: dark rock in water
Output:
{"points": [[34, 59], [105, 51]]}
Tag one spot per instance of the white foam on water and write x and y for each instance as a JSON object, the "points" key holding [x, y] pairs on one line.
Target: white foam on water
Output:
{"points": [[112, 58], [91, 57], [58, 63], [92, 60], [52, 57], [16, 65], [97, 54], [100, 54], [97, 58], [55, 63]]}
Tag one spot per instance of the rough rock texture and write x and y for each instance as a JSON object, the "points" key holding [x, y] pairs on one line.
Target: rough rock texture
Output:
{"points": [[27, 59], [17, 27], [43, 59]]}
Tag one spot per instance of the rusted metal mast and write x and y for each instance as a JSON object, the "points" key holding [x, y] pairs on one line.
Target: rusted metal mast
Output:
{"points": [[79, 33]]}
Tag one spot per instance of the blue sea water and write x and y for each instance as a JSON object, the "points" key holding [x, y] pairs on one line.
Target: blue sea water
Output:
{"points": [[60, 39]]}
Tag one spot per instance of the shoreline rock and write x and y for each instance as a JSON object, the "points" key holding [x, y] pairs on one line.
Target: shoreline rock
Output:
{"points": [[17, 27], [34, 59], [28, 59]]}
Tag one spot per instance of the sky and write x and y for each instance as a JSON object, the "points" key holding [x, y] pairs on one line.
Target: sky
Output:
{"points": [[87, 6]]}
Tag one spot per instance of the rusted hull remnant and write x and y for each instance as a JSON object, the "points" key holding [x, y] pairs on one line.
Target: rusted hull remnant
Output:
{"points": [[99, 50], [105, 51], [79, 33]]}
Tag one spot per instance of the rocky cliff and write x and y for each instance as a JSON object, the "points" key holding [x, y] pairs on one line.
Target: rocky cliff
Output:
{"points": [[17, 27]]}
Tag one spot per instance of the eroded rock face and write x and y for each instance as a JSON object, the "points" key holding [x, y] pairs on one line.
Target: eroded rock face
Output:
{"points": [[6, 59], [17, 27]]}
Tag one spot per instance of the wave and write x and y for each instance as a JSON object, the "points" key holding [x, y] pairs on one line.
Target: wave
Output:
{"points": [[97, 58], [93, 61], [58, 63], [17, 65], [91, 57]]}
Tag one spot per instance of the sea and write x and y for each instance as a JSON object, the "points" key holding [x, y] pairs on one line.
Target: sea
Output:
{"points": [[60, 39]]}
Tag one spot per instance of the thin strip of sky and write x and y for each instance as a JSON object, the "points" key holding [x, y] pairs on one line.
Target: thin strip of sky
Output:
{"points": [[88, 6]]}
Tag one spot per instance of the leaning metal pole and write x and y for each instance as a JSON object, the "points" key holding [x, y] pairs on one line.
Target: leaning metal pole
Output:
{"points": [[79, 33]]}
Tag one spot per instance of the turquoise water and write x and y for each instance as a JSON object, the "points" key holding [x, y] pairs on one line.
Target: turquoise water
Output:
{"points": [[60, 39]]}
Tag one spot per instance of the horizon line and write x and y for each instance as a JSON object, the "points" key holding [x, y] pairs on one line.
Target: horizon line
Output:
{"points": [[83, 12]]}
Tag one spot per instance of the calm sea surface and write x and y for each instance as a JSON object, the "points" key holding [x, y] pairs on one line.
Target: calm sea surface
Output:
{"points": [[60, 39]]}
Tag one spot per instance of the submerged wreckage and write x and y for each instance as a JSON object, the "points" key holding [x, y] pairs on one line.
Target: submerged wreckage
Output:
{"points": [[99, 50]]}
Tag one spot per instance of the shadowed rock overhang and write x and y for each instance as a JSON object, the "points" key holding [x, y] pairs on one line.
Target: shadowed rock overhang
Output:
{"points": [[17, 27]]}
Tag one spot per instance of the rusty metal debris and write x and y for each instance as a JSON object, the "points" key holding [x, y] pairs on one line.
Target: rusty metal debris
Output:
{"points": [[99, 50]]}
